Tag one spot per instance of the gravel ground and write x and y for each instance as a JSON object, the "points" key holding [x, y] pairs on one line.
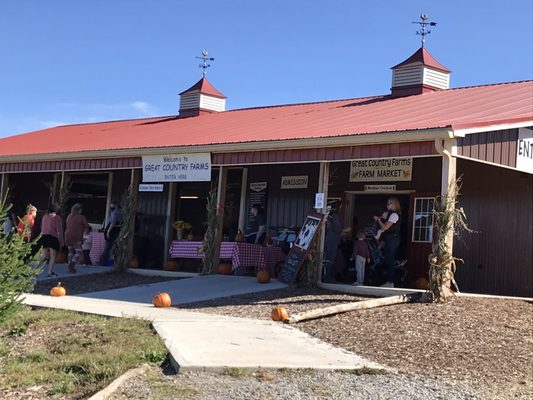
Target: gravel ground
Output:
{"points": [[469, 348]]}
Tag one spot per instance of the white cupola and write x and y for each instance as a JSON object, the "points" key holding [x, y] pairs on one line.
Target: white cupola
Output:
{"points": [[420, 73], [201, 98]]}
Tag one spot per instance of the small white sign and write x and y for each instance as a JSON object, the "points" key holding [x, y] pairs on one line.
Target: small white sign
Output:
{"points": [[380, 188], [524, 150], [381, 169], [319, 200], [150, 187], [177, 168], [258, 186], [294, 182]]}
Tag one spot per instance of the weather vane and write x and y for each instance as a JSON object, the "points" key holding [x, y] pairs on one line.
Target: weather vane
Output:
{"points": [[204, 65], [423, 27]]}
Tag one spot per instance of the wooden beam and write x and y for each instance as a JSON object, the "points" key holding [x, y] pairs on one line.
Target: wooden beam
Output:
{"points": [[221, 201], [358, 305]]}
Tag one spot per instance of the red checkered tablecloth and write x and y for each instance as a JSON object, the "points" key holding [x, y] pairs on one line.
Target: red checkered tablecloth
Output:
{"points": [[98, 246], [241, 254]]}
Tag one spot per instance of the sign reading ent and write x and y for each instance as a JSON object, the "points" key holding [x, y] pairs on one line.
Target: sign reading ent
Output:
{"points": [[177, 168]]}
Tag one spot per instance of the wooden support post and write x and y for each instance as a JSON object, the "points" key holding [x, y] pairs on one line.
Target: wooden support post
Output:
{"points": [[243, 210], [171, 210], [358, 305], [134, 187], [448, 149], [2, 184], [221, 201], [323, 183]]}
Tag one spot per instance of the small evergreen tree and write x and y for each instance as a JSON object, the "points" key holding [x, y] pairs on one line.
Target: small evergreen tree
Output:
{"points": [[16, 274]]}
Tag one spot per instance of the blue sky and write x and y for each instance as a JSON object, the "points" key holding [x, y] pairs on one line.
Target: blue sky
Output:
{"points": [[75, 61]]}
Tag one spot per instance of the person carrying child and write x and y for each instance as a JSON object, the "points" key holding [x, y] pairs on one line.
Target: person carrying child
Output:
{"points": [[361, 255], [87, 245]]}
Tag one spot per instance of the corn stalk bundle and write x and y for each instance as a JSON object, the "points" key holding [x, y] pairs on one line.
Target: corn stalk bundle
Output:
{"points": [[208, 245]]}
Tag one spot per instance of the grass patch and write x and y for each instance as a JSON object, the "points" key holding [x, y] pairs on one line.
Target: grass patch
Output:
{"points": [[73, 354]]}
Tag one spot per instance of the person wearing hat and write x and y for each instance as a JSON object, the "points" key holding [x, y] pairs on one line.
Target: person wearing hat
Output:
{"points": [[256, 229], [111, 231]]}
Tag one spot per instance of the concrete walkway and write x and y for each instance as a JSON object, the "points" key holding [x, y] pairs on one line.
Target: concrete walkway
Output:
{"points": [[207, 341]]}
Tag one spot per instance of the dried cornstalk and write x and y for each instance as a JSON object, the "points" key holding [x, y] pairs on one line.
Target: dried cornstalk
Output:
{"points": [[208, 244], [449, 221], [128, 208]]}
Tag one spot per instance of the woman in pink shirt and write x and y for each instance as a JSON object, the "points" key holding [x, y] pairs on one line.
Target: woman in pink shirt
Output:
{"points": [[76, 226], [51, 238]]}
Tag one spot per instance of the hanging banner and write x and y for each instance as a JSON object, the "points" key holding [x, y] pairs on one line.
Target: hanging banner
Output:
{"points": [[381, 169], [177, 168]]}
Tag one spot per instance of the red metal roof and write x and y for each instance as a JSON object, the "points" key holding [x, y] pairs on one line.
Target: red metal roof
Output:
{"points": [[468, 107], [203, 86], [423, 56]]}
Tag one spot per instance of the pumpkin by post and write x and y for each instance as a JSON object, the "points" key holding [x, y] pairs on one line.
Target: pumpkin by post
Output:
{"points": [[133, 262], [279, 313], [58, 291], [171, 265], [61, 257], [263, 276], [225, 269], [239, 237], [421, 283], [162, 300]]}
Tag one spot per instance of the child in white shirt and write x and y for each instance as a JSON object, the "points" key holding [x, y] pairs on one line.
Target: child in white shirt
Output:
{"points": [[87, 245]]}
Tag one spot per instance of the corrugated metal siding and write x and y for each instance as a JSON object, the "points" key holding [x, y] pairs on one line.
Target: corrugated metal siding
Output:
{"points": [[499, 206], [326, 154], [286, 207], [73, 165], [498, 147]]}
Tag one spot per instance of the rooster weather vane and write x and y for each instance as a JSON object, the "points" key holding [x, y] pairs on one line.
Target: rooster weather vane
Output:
{"points": [[424, 31], [204, 65]]}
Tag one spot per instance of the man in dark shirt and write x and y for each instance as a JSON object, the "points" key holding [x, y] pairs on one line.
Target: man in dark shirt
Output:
{"points": [[256, 228]]}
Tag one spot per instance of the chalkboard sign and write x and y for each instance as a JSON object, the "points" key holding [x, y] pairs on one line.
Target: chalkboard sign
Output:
{"points": [[298, 251]]}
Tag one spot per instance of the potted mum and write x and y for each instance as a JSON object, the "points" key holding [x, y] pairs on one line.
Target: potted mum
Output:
{"points": [[180, 226]]}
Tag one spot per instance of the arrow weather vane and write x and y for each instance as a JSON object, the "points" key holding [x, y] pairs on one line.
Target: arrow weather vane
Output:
{"points": [[204, 65], [423, 27]]}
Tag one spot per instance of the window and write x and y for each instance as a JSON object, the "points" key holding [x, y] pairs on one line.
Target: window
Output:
{"points": [[423, 220]]}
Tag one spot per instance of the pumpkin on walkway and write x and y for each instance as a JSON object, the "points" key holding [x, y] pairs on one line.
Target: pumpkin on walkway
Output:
{"points": [[263, 276], [171, 265], [225, 269], [133, 262], [58, 291], [162, 300], [279, 313]]}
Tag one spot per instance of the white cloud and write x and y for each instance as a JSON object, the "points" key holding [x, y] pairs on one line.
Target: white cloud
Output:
{"points": [[143, 107]]}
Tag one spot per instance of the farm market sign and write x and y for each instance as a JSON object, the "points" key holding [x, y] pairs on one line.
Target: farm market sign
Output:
{"points": [[177, 168], [381, 169]]}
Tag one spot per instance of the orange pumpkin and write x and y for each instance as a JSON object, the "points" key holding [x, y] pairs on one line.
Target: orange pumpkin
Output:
{"points": [[279, 313], [225, 269], [171, 265], [133, 262], [58, 291], [239, 237], [263, 276], [61, 257], [421, 283], [162, 300]]}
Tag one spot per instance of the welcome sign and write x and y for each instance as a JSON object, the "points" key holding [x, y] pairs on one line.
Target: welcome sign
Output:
{"points": [[381, 169], [177, 168]]}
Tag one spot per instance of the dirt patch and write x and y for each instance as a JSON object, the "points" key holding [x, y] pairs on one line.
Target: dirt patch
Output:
{"points": [[97, 282], [478, 341]]}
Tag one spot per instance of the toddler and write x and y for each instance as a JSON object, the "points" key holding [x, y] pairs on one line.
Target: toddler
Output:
{"points": [[361, 256], [87, 245]]}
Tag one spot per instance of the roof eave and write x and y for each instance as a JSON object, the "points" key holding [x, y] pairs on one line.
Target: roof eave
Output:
{"points": [[330, 141]]}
